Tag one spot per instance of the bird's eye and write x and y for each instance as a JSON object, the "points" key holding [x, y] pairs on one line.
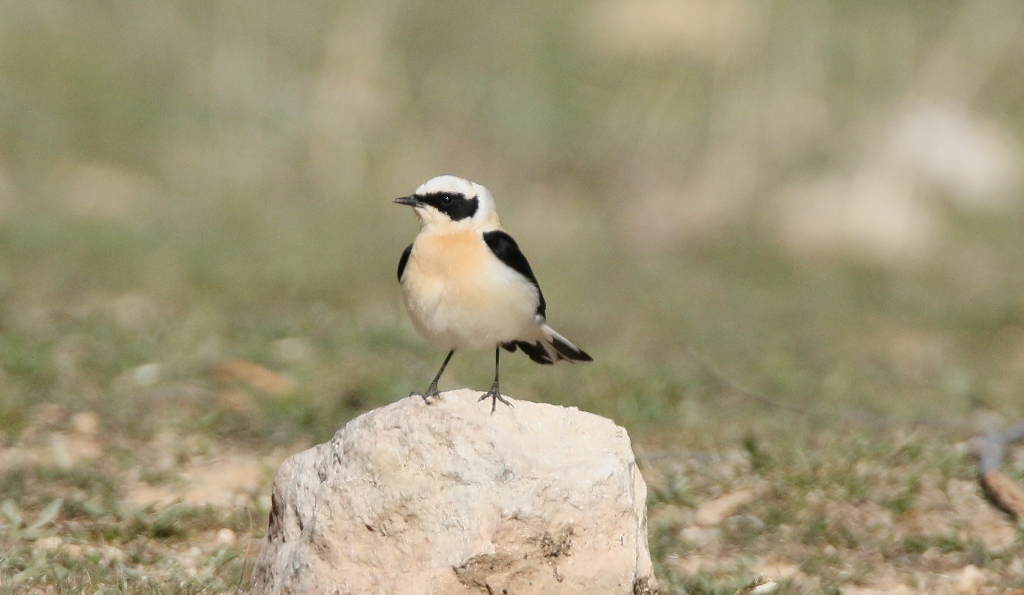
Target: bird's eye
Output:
{"points": [[446, 199]]}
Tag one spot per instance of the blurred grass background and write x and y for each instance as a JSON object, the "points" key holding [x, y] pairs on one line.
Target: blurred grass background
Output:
{"points": [[788, 231], [821, 198]]}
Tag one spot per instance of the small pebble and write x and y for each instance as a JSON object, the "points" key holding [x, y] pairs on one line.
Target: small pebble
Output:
{"points": [[146, 375], [226, 537], [48, 544], [86, 423]]}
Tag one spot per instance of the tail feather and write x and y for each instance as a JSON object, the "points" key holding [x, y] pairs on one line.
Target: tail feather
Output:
{"points": [[552, 348], [535, 351], [564, 347]]}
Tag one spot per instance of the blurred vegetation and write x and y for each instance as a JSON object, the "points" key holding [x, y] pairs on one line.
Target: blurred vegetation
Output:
{"points": [[767, 221], [822, 198]]}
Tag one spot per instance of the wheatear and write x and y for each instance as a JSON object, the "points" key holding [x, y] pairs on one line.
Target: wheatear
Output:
{"points": [[466, 284]]}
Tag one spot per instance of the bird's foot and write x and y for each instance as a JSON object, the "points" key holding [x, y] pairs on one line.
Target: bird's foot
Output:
{"points": [[429, 397], [495, 396]]}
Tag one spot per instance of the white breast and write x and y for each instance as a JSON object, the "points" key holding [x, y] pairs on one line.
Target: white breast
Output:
{"points": [[459, 295]]}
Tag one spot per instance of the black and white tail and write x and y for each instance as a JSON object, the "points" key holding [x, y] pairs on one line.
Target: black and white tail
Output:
{"points": [[552, 348]]}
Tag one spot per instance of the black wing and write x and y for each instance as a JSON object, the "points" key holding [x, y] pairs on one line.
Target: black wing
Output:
{"points": [[403, 261], [507, 251]]}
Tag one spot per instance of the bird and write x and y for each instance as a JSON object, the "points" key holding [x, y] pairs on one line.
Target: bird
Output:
{"points": [[466, 284]]}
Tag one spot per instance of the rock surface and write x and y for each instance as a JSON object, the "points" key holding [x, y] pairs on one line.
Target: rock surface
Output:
{"points": [[449, 499]]}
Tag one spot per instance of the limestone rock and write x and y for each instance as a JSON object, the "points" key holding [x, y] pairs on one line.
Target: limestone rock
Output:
{"points": [[450, 499]]}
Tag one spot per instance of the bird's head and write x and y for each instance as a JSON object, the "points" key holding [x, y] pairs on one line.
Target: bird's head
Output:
{"points": [[451, 202]]}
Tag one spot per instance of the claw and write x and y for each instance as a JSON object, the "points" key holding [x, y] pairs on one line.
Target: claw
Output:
{"points": [[430, 397], [495, 396]]}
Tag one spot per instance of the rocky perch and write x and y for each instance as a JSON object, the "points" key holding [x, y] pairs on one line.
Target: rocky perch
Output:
{"points": [[449, 499]]}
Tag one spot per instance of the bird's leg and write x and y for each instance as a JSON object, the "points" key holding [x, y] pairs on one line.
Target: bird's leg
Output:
{"points": [[432, 389], [494, 393]]}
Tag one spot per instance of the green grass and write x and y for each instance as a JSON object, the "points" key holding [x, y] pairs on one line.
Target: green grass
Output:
{"points": [[91, 539]]}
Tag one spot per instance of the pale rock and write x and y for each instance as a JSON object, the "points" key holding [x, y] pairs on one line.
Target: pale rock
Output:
{"points": [[702, 537], [764, 588], [146, 375], [48, 544], [85, 423], [972, 159], [226, 537], [449, 498], [970, 580], [877, 216]]}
